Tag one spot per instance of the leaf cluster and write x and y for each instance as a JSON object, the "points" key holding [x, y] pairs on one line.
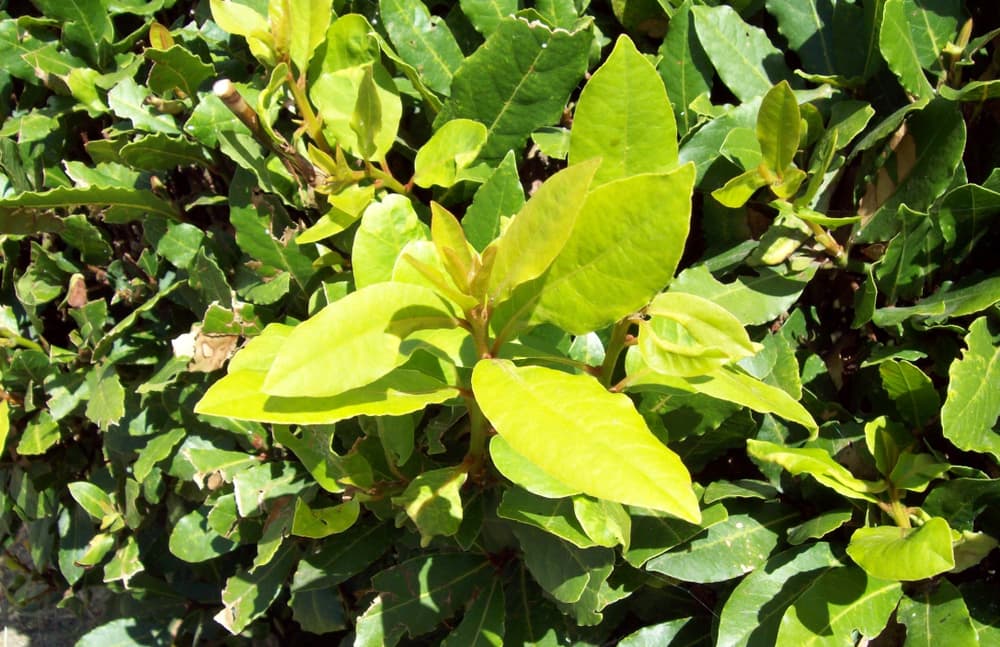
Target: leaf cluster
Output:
{"points": [[501, 322]]}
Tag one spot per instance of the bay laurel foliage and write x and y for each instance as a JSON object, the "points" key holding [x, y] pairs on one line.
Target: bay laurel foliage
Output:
{"points": [[502, 322]]}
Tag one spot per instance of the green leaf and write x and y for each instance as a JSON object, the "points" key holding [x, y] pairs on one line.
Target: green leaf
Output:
{"points": [[26, 213], [248, 594], [517, 82], [125, 564], [623, 117], [433, 502], [726, 383], [738, 190], [919, 170], [913, 392], [483, 621], [363, 330], [689, 336], [554, 516], [366, 119], [524, 473], [39, 436], [93, 499], [906, 554], [537, 234], [654, 533], [818, 527], [386, 228], [177, 68], [937, 616], [352, 53], [752, 614], [612, 266], [128, 101], [808, 26], [106, 404], [85, 24], [499, 197], [4, 423], [193, 539], [960, 501], [816, 463], [684, 67], [565, 424], [753, 299], [740, 489], [742, 148], [605, 522], [415, 596], [728, 549], [423, 40], [485, 15], [561, 569], [743, 55], [159, 151], [969, 415], [778, 125], [318, 523], [944, 304], [449, 151], [911, 257], [240, 395], [839, 602], [308, 22], [124, 631]]}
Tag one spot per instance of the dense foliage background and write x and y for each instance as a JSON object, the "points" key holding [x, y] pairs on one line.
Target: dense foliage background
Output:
{"points": [[816, 182]]}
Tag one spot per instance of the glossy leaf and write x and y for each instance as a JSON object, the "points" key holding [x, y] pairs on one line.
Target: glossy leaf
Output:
{"points": [[933, 616], [840, 601], [728, 549], [363, 330], [809, 28], [499, 197], [483, 621], [689, 336], [617, 258], [563, 570], [943, 305], [240, 395], [451, 149], [517, 82], [912, 391], [753, 299], [432, 501], [726, 383], [248, 594], [816, 463], [386, 227], [746, 60], [193, 539], [970, 411], [778, 125], [918, 171], [317, 523], [541, 228], [485, 15], [524, 473], [546, 429], [308, 21], [418, 594], [654, 533], [423, 40], [906, 554], [753, 612], [684, 67], [624, 118], [818, 527], [554, 516], [351, 55]]}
